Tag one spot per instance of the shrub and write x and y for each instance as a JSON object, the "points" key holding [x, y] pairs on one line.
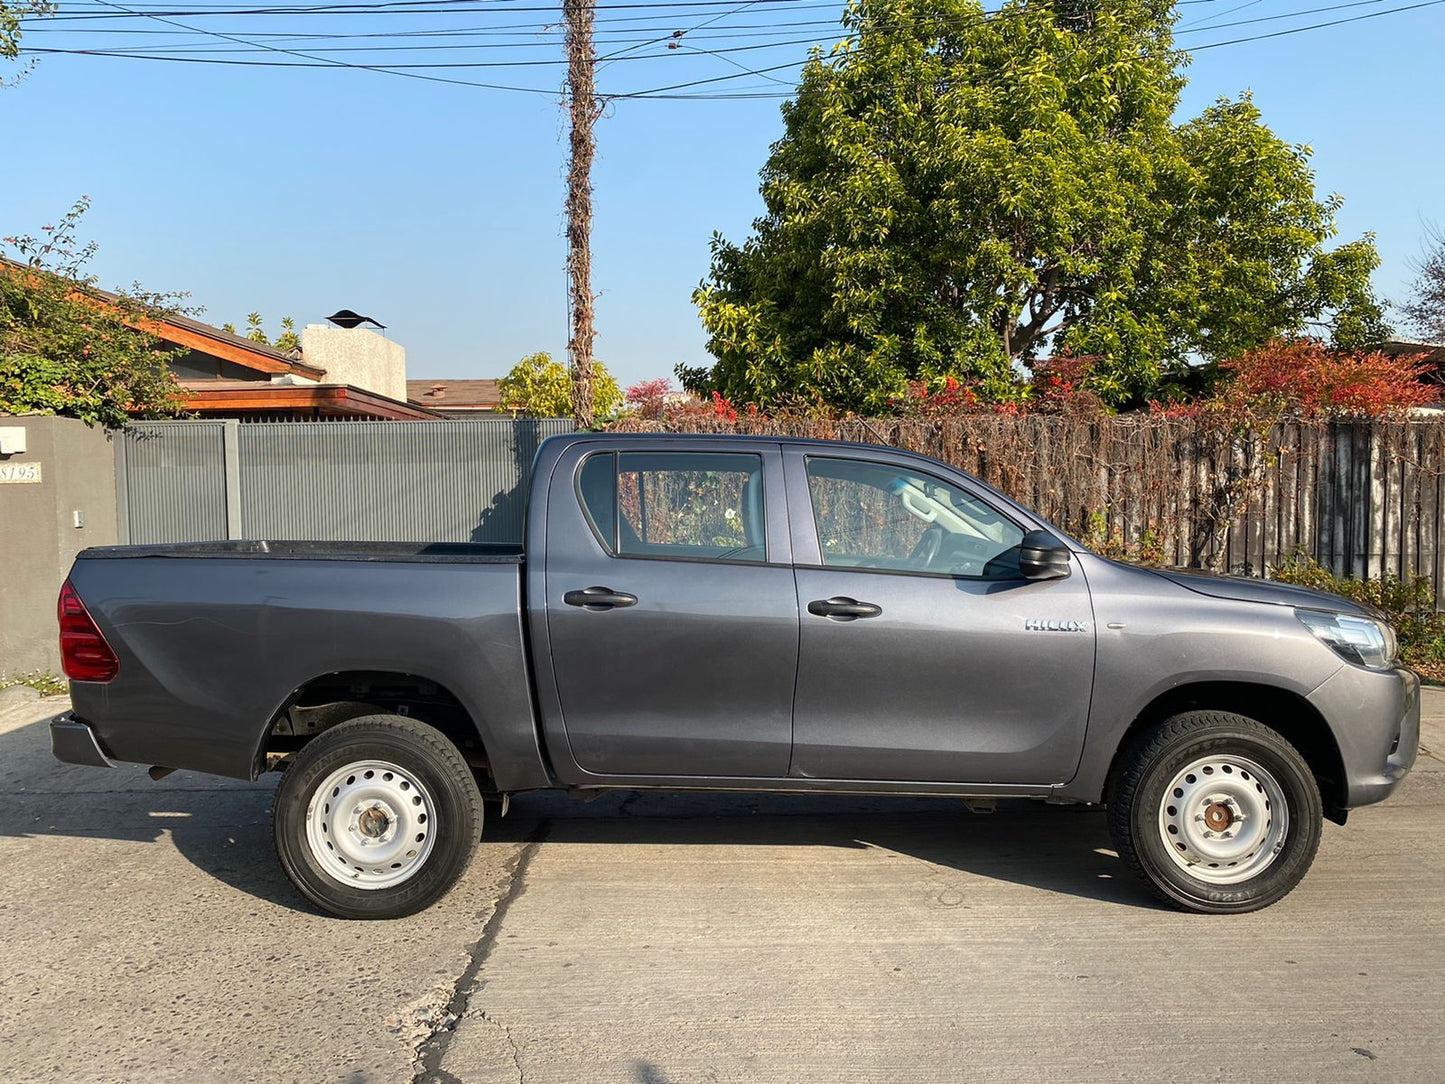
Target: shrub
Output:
{"points": [[1408, 603], [657, 401], [541, 387], [43, 682], [1309, 378]]}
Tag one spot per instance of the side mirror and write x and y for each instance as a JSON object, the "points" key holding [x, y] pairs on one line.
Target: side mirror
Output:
{"points": [[1043, 557]]}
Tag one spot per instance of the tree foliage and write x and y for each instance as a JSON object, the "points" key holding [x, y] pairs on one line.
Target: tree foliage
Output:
{"points": [[65, 350], [11, 13], [1304, 379], [539, 386], [959, 193], [287, 340], [1425, 308]]}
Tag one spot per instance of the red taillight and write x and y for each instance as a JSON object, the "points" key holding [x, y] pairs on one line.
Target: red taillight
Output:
{"points": [[84, 654]]}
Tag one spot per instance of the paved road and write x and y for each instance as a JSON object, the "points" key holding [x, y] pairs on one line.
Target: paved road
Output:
{"points": [[148, 935]]}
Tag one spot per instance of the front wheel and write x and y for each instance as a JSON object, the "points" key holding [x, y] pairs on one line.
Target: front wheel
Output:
{"points": [[1216, 812], [377, 817]]}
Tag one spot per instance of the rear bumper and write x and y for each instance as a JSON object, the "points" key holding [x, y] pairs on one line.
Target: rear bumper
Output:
{"points": [[1375, 717], [74, 742]]}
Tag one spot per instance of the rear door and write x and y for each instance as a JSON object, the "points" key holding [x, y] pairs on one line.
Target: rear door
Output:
{"points": [[925, 656], [671, 611]]}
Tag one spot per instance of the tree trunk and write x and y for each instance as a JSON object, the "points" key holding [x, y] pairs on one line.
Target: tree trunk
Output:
{"points": [[582, 100]]}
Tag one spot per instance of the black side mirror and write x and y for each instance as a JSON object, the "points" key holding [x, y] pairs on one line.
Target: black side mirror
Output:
{"points": [[1043, 557]]}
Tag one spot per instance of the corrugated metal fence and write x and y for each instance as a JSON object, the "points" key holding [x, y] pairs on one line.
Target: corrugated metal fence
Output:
{"points": [[442, 481]]}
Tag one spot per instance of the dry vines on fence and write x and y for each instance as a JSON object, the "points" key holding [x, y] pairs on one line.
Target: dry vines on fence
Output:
{"points": [[1364, 498]]}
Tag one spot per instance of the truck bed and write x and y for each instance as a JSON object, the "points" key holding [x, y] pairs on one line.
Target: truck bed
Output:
{"points": [[212, 649]]}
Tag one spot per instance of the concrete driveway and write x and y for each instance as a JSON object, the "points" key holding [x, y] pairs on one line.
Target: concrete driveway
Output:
{"points": [[147, 934]]}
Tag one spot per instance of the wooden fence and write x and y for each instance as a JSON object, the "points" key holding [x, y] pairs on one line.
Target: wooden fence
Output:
{"points": [[1362, 498]]}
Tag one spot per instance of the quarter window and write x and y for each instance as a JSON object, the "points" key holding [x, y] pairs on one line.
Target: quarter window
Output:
{"points": [[872, 516], [676, 504]]}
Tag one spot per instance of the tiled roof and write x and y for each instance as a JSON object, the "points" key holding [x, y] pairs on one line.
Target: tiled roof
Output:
{"points": [[454, 394]]}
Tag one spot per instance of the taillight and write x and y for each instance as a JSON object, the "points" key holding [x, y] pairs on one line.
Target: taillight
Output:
{"points": [[84, 654]]}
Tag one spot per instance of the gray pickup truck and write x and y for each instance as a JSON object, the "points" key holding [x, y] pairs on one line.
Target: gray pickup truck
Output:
{"points": [[749, 614]]}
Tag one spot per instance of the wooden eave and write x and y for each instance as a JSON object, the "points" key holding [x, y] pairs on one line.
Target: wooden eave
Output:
{"points": [[328, 400], [221, 348]]}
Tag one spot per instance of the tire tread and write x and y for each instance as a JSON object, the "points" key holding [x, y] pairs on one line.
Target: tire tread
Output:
{"points": [[413, 733], [1132, 772]]}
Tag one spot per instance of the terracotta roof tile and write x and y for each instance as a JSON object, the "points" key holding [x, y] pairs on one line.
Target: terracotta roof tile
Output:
{"points": [[454, 394]]}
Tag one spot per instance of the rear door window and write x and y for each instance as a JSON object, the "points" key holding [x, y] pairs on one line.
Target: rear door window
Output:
{"points": [[690, 505]]}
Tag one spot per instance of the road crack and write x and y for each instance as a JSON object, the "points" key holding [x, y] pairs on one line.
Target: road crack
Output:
{"points": [[432, 1050], [511, 1042]]}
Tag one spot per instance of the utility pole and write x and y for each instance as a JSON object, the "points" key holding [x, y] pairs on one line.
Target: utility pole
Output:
{"points": [[582, 102]]}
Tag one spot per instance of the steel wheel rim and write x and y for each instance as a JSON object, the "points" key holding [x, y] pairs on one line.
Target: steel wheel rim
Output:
{"points": [[370, 824], [1223, 819]]}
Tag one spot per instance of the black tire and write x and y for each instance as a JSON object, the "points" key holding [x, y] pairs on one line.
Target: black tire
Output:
{"points": [[452, 827], [1137, 809]]}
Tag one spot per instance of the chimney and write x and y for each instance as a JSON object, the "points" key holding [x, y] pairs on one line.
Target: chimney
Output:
{"points": [[352, 354]]}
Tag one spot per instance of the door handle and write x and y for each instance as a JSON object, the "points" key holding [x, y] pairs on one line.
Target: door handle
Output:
{"points": [[843, 609], [599, 598]]}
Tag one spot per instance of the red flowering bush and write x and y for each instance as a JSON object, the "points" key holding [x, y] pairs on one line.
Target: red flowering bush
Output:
{"points": [[648, 398], [656, 400], [937, 398], [1306, 377], [1062, 384]]}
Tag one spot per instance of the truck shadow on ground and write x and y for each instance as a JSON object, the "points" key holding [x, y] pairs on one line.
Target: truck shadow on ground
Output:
{"points": [[944, 848], [224, 828]]}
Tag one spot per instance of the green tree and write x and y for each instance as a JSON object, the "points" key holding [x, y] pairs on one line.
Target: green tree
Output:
{"points": [[11, 12], [255, 331], [66, 350], [958, 193], [539, 386]]}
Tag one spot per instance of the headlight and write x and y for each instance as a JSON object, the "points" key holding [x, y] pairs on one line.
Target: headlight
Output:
{"points": [[1360, 640]]}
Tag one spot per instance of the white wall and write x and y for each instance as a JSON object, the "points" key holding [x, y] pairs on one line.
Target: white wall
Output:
{"points": [[356, 356]]}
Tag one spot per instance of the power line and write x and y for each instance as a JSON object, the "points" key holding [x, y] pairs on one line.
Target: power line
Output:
{"points": [[633, 43], [1210, 18], [141, 53], [716, 33], [316, 57], [476, 6], [1317, 26], [325, 62], [677, 35]]}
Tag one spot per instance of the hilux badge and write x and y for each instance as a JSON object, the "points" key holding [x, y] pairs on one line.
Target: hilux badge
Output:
{"points": [[1033, 624]]}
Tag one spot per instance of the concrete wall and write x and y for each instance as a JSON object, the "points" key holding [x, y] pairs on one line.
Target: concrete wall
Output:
{"points": [[358, 357], [38, 536]]}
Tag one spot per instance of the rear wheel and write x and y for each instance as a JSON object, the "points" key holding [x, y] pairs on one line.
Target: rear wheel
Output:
{"points": [[377, 817], [1216, 812]]}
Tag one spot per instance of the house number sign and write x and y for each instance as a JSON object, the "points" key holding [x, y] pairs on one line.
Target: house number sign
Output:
{"points": [[19, 472]]}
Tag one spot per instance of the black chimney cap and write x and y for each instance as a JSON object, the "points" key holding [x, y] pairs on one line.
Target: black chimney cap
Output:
{"points": [[348, 319]]}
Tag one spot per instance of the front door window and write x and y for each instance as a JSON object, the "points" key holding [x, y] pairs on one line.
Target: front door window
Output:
{"points": [[877, 516]]}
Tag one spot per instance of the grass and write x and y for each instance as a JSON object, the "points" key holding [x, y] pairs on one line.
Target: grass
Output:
{"points": [[46, 684]]}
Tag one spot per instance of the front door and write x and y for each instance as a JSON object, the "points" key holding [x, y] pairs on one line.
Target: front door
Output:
{"points": [[924, 654], [671, 611]]}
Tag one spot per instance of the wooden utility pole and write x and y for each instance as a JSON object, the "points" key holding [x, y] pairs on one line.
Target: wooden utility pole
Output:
{"points": [[582, 101]]}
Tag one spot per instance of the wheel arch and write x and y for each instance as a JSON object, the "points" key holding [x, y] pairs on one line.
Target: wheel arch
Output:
{"points": [[327, 700], [1287, 713]]}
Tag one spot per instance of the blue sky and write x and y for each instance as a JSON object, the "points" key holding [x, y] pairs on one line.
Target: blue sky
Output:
{"points": [[437, 208]]}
